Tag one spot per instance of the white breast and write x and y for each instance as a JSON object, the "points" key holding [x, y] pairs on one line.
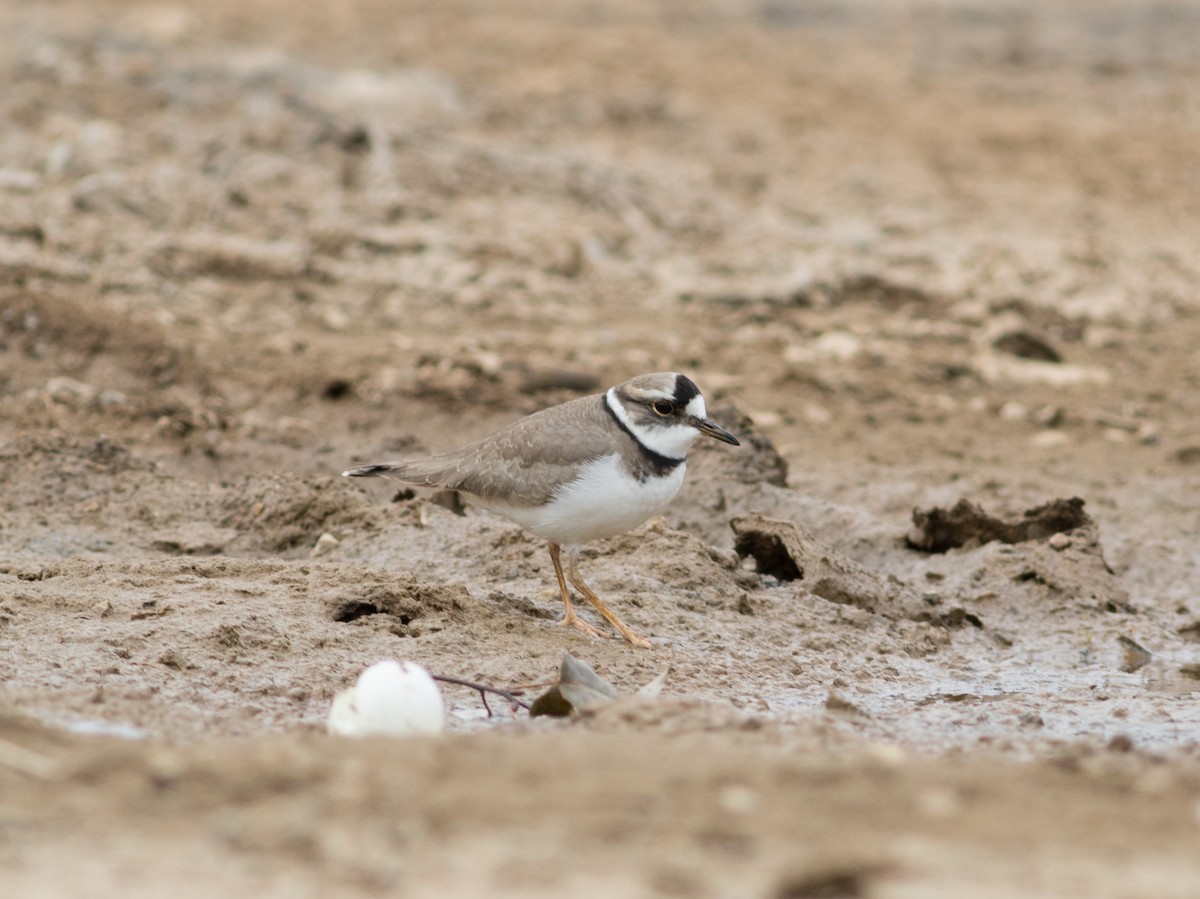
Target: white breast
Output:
{"points": [[603, 501]]}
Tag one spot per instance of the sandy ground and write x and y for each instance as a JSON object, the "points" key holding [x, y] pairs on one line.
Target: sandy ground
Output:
{"points": [[913, 253]]}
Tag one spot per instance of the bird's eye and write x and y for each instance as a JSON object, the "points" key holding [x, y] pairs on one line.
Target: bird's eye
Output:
{"points": [[663, 408]]}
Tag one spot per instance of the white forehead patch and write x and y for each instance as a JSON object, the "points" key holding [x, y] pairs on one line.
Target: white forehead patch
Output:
{"points": [[696, 408]]}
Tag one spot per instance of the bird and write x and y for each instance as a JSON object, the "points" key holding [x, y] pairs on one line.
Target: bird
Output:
{"points": [[584, 470]]}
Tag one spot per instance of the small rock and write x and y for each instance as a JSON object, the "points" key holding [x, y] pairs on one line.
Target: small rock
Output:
{"points": [[1014, 411], [325, 544], [1047, 416], [173, 658], [69, 391], [102, 609], [1027, 345], [110, 399], [838, 704], [335, 319], [1059, 542], [1047, 439]]}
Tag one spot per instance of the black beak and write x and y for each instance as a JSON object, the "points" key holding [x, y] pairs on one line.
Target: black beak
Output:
{"points": [[707, 427]]}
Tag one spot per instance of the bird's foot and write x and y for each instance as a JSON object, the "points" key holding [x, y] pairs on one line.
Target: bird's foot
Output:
{"points": [[636, 640], [573, 620]]}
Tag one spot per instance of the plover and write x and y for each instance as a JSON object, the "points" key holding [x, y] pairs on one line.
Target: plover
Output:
{"points": [[590, 468]]}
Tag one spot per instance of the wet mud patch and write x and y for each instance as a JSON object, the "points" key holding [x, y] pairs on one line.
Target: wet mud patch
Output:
{"points": [[255, 244]]}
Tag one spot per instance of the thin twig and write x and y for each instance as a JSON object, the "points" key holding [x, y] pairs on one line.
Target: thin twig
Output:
{"points": [[483, 691]]}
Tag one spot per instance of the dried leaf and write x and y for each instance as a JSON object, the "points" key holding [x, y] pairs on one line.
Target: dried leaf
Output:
{"points": [[575, 674], [653, 688], [579, 689]]}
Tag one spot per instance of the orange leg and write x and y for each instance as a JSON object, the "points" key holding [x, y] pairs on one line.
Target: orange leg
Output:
{"points": [[570, 619], [577, 580]]}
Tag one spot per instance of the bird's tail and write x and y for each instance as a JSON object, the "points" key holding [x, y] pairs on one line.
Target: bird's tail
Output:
{"points": [[379, 470], [418, 472]]}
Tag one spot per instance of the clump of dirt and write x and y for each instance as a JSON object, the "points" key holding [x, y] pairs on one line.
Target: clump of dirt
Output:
{"points": [[937, 530]]}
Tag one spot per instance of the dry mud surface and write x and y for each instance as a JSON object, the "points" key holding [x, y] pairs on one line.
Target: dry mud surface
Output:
{"points": [[915, 254]]}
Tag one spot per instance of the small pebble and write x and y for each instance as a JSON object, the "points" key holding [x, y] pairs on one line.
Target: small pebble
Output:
{"points": [[1059, 542], [102, 609], [1014, 411], [1047, 416], [324, 545], [1049, 438], [70, 391]]}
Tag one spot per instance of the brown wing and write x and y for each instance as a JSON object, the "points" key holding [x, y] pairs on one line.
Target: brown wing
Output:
{"points": [[520, 464]]}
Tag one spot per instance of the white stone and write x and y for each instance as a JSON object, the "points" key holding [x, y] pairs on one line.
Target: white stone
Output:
{"points": [[390, 699], [325, 543]]}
